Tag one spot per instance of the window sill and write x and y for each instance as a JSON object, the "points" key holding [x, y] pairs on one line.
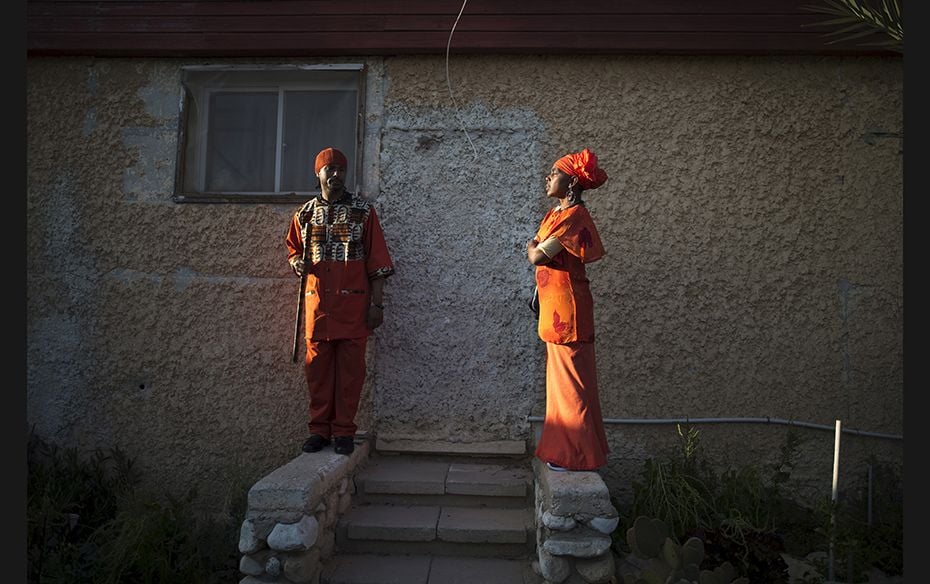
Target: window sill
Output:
{"points": [[250, 198]]}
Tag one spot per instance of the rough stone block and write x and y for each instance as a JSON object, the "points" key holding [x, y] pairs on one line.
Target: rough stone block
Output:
{"points": [[273, 566], [605, 525], [597, 570], [345, 501], [553, 568], [574, 493], [249, 542], [570, 544], [266, 520], [558, 522], [301, 483], [302, 568], [249, 566], [298, 536], [326, 544], [332, 513]]}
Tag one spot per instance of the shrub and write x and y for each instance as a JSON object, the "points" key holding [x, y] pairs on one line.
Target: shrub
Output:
{"points": [[733, 512], [860, 545], [88, 521], [747, 517]]}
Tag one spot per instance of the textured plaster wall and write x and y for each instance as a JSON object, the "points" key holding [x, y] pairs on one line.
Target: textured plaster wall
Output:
{"points": [[753, 220], [459, 352], [162, 328]]}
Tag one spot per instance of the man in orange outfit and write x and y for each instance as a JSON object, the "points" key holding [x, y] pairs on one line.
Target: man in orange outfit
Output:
{"points": [[347, 261]]}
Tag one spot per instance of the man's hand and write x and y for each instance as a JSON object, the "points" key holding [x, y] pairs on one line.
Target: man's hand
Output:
{"points": [[375, 317], [299, 266]]}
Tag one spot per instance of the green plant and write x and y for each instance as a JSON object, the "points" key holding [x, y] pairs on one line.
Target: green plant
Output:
{"points": [[67, 498], [863, 18], [671, 563], [740, 514], [860, 545], [89, 521], [673, 488], [748, 517], [151, 541], [750, 506], [752, 510]]}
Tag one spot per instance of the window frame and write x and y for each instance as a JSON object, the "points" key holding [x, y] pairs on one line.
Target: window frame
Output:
{"points": [[180, 195]]}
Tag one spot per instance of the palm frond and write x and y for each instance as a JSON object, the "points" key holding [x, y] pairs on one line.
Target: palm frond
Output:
{"points": [[864, 18], [834, 21], [857, 35], [855, 27], [882, 43]]}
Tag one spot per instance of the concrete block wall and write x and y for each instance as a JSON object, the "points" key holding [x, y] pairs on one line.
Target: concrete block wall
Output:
{"points": [[574, 523], [290, 524], [290, 527]]}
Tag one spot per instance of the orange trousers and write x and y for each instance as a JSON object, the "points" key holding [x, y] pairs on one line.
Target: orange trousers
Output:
{"points": [[573, 431], [335, 372]]}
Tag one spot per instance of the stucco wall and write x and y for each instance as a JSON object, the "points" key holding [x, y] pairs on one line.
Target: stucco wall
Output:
{"points": [[753, 221]]}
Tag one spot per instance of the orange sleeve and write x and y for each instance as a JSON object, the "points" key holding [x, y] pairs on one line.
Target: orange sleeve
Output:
{"points": [[377, 257], [579, 236], [293, 240]]}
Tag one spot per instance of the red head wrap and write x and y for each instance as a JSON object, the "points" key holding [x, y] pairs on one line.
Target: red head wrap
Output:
{"points": [[329, 156], [583, 165]]}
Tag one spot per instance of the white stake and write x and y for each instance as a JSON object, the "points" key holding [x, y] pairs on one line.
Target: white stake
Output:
{"points": [[836, 475]]}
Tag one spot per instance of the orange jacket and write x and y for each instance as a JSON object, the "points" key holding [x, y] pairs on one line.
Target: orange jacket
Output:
{"points": [[346, 251], [566, 308]]}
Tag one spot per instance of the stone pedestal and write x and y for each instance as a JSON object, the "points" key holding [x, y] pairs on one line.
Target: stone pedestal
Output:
{"points": [[574, 523]]}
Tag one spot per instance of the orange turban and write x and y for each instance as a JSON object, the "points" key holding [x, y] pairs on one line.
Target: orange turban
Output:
{"points": [[583, 165], [329, 156]]}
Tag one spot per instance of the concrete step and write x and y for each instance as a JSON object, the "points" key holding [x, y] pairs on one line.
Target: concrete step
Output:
{"points": [[435, 530], [425, 569], [419, 480], [496, 448], [391, 522]]}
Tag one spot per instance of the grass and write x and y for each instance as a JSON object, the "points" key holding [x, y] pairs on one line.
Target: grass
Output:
{"points": [[88, 520], [748, 516]]}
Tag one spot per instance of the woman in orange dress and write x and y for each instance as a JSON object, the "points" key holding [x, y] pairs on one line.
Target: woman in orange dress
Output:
{"points": [[573, 431]]}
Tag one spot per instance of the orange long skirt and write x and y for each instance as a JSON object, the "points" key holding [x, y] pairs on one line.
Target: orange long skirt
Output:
{"points": [[573, 431]]}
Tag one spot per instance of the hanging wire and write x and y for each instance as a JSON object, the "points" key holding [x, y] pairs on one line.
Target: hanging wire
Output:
{"points": [[449, 84]]}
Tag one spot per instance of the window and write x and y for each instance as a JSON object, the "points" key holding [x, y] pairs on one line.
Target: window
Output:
{"points": [[250, 134]]}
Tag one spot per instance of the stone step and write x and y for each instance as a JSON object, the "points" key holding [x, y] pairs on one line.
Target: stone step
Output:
{"points": [[496, 448], [425, 569], [391, 522], [427, 529], [417, 480]]}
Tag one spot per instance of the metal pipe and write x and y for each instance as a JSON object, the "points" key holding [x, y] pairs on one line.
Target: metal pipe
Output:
{"points": [[729, 420]]}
